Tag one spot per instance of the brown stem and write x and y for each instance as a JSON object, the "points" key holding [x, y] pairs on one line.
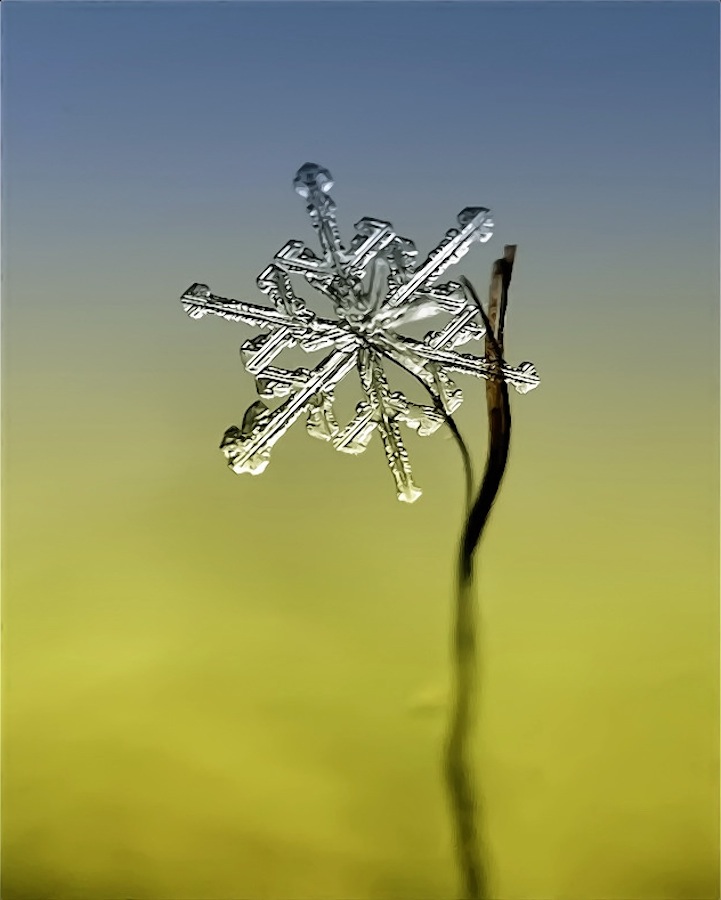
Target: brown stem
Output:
{"points": [[461, 786]]}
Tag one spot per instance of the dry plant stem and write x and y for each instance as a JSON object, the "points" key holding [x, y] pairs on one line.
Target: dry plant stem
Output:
{"points": [[461, 786]]}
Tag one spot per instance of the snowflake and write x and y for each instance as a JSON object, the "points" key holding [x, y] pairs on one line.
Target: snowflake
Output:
{"points": [[375, 288]]}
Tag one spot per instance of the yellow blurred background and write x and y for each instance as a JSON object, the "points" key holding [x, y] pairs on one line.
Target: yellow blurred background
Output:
{"points": [[219, 686]]}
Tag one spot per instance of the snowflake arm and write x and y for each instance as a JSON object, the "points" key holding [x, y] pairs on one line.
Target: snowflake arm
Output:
{"points": [[248, 448], [385, 407], [476, 224], [419, 357]]}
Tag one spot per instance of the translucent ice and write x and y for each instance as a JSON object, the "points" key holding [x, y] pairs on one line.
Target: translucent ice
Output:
{"points": [[374, 286]]}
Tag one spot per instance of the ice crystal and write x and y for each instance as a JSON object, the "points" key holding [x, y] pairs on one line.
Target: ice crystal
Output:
{"points": [[375, 287]]}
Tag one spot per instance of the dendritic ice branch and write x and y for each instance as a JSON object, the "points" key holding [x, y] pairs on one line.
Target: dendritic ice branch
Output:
{"points": [[375, 287]]}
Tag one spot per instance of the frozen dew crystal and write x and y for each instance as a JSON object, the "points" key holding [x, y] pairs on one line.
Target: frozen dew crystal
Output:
{"points": [[373, 288], [312, 177]]}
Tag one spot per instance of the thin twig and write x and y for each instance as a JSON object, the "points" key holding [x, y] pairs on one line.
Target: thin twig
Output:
{"points": [[461, 786]]}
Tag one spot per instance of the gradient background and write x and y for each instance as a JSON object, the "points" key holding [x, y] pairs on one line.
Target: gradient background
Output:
{"points": [[231, 687]]}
